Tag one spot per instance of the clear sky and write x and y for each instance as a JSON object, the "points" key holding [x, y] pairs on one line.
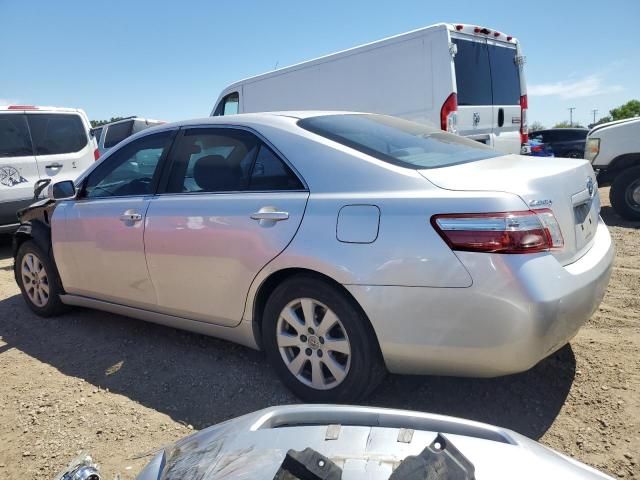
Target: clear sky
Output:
{"points": [[169, 60]]}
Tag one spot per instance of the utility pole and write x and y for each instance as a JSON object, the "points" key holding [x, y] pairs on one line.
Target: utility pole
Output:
{"points": [[594, 111], [571, 109]]}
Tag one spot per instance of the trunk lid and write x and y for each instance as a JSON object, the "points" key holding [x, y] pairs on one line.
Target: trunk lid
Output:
{"points": [[568, 184]]}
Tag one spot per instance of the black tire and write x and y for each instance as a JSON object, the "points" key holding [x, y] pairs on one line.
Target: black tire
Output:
{"points": [[53, 305], [365, 368], [621, 192]]}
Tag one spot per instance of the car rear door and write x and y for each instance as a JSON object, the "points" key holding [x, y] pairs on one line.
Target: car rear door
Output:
{"points": [[231, 204], [18, 167], [61, 143], [98, 237]]}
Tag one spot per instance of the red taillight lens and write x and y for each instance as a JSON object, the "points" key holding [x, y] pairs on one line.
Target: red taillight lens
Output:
{"points": [[449, 114], [459, 27], [96, 154], [526, 231], [524, 127]]}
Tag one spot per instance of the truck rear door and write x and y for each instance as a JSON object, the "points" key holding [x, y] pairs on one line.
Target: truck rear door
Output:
{"points": [[488, 87], [473, 79]]}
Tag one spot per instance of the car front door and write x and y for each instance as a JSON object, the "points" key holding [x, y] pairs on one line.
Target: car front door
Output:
{"points": [[18, 167], [230, 205], [98, 238]]}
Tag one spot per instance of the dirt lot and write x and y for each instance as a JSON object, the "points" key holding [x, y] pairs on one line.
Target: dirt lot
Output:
{"points": [[117, 387]]}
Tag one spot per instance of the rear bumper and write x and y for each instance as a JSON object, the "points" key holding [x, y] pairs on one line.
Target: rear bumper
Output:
{"points": [[520, 309]]}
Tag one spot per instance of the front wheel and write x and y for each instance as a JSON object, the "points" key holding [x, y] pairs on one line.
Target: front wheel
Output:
{"points": [[625, 193], [38, 280], [321, 345]]}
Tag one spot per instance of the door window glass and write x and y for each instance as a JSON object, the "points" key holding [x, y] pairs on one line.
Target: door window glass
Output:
{"points": [[117, 132], [14, 136], [229, 105], [132, 170], [271, 173], [57, 133], [212, 160]]}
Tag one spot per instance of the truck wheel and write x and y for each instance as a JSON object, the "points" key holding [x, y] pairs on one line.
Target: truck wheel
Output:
{"points": [[38, 280], [625, 193], [320, 343]]}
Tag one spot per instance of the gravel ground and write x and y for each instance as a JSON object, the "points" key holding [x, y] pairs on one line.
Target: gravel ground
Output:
{"points": [[118, 388]]}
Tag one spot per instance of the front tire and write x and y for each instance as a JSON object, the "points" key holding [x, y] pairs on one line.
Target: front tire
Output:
{"points": [[320, 343], [625, 193], [38, 280]]}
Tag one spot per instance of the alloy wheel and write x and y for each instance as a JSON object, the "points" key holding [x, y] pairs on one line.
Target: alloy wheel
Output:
{"points": [[35, 280], [313, 344], [633, 195]]}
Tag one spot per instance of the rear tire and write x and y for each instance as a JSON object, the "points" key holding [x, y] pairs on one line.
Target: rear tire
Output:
{"points": [[38, 280], [625, 193], [320, 343]]}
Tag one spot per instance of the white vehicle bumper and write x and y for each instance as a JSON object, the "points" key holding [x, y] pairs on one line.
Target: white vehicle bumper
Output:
{"points": [[519, 310]]}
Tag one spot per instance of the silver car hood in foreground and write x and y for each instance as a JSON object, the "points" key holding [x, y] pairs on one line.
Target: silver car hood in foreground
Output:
{"points": [[364, 442]]}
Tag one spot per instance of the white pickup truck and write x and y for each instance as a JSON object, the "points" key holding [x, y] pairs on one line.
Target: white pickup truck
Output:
{"points": [[614, 151]]}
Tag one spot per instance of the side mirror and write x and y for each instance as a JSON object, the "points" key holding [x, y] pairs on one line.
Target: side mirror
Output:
{"points": [[39, 186], [64, 190]]}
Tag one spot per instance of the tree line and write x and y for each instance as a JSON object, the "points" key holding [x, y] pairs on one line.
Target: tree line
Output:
{"points": [[628, 110]]}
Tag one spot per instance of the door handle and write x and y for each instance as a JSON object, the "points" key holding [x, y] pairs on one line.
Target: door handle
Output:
{"points": [[54, 165], [130, 216], [270, 215]]}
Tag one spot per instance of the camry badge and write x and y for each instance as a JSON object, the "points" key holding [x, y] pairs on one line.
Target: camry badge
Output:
{"points": [[540, 203]]}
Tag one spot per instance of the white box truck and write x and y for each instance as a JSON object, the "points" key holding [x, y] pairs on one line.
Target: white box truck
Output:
{"points": [[463, 78]]}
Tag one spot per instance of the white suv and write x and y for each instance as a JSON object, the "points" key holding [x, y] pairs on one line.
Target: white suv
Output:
{"points": [[39, 143]]}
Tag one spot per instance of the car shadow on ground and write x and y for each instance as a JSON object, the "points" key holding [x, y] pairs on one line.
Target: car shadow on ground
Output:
{"points": [[200, 380], [612, 219]]}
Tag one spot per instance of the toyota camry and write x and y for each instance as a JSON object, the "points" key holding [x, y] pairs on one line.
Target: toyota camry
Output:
{"points": [[344, 245]]}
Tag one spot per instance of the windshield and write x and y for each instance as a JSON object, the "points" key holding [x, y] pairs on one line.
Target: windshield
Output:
{"points": [[398, 141]]}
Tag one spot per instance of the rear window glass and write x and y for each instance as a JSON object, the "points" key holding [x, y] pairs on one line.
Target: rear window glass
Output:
{"points": [[505, 76], [14, 136], [117, 132], [398, 141], [473, 75], [486, 74], [54, 134]]}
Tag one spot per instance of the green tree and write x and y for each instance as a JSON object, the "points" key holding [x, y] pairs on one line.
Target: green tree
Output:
{"points": [[565, 124], [97, 123], [628, 110], [535, 126]]}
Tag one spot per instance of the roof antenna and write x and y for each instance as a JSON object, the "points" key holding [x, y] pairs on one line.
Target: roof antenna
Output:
{"points": [[276, 65]]}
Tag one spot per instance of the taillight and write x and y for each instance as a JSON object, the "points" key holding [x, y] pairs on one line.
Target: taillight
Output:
{"points": [[96, 154], [449, 114], [524, 127], [528, 231], [22, 107]]}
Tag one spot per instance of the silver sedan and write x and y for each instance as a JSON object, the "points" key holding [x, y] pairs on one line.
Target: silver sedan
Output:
{"points": [[345, 245]]}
